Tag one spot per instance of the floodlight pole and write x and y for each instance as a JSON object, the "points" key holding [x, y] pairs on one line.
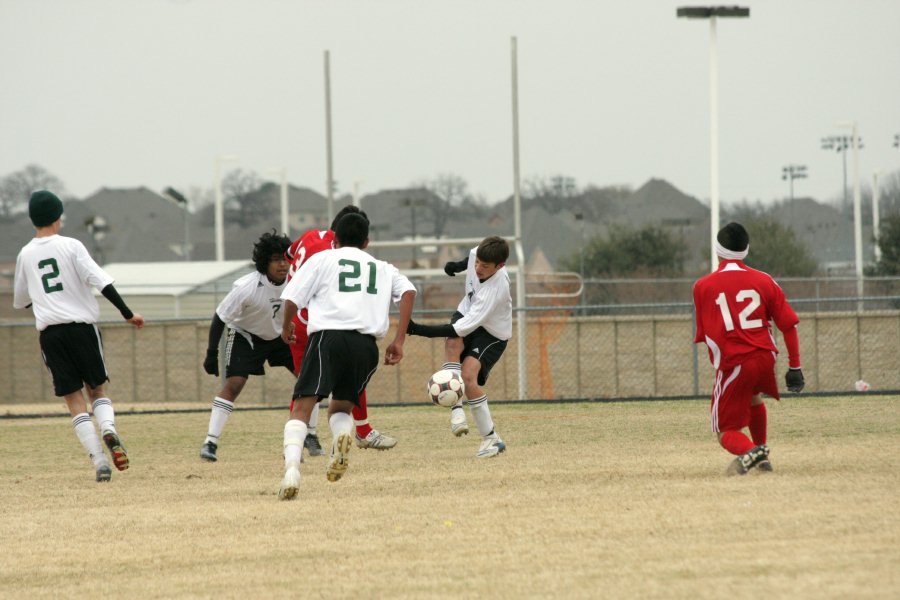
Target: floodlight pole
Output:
{"points": [[875, 216], [220, 210], [517, 220], [857, 209], [712, 13], [329, 178]]}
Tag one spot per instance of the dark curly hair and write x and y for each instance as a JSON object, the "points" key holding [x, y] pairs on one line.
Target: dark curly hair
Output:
{"points": [[269, 245]]}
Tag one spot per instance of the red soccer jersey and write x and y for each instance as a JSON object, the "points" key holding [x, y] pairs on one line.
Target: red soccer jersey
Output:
{"points": [[735, 307], [311, 242]]}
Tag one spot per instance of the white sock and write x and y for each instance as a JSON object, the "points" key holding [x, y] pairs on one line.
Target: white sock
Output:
{"points": [[452, 366], [103, 412], [294, 434], [313, 419], [340, 422], [87, 435], [221, 410], [482, 415]]}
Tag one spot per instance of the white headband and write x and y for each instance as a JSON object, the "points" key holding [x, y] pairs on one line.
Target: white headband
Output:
{"points": [[731, 254]]}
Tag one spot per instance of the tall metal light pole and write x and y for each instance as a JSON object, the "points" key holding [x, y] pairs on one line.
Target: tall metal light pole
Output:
{"points": [[282, 173], [712, 13], [329, 175], [220, 210], [521, 327], [857, 205], [876, 225]]}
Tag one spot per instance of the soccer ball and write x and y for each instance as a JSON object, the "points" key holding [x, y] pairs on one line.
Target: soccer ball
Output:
{"points": [[446, 388]]}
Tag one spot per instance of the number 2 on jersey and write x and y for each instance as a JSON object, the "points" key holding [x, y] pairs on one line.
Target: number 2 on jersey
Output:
{"points": [[53, 273], [346, 282], [752, 296]]}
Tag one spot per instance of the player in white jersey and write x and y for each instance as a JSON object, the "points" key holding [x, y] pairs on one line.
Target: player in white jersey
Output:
{"points": [[252, 311], [477, 335], [349, 294], [55, 276]]}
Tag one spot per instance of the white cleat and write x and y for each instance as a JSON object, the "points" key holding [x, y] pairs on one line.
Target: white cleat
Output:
{"points": [[340, 458], [290, 485], [490, 447], [375, 440], [458, 424]]}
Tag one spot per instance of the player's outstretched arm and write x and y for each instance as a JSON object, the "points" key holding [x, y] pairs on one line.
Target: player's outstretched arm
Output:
{"points": [[431, 331], [454, 267], [287, 322], [393, 354]]}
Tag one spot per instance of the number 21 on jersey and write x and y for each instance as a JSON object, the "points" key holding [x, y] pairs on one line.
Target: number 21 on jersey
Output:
{"points": [[751, 298]]}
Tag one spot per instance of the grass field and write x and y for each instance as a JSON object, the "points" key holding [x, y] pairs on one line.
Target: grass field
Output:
{"points": [[621, 500]]}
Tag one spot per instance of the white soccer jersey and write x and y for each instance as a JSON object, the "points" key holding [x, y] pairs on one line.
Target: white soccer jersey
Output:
{"points": [[347, 289], [486, 304], [253, 306], [55, 274]]}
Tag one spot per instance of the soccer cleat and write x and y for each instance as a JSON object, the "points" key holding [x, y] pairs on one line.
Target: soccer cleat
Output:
{"points": [[746, 461], [208, 451], [458, 425], [376, 440], [311, 443], [337, 466], [765, 466], [116, 449], [490, 447], [290, 485], [104, 473]]}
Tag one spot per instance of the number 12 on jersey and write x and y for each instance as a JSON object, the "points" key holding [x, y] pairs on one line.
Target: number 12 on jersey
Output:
{"points": [[751, 297]]}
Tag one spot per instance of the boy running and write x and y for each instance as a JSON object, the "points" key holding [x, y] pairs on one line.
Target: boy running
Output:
{"points": [[308, 244], [55, 276], [252, 312], [349, 294], [477, 335]]}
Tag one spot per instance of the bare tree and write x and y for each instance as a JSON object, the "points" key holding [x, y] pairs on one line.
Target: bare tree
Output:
{"points": [[449, 193], [240, 193], [16, 187]]}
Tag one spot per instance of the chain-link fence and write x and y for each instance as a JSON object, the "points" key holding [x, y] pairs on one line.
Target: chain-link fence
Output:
{"points": [[572, 351]]}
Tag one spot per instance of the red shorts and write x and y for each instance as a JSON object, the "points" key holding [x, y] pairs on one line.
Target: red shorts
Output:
{"points": [[735, 388], [298, 348]]}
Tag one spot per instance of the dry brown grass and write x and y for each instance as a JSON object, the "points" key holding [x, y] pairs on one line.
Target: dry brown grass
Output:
{"points": [[591, 500]]}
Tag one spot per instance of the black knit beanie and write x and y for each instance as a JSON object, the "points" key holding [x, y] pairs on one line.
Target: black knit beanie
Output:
{"points": [[44, 208], [733, 237]]}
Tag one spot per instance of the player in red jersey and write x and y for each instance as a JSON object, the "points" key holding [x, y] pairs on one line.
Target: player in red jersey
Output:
{"points": [[735, 307], [308, 244]]}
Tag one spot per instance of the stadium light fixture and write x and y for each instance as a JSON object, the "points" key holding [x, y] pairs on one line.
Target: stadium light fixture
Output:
{"points": [[790, 173], [220, 211], [712, 13], [179, 199]]}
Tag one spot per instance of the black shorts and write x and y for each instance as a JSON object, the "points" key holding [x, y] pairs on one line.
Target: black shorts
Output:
{"points": [[73, 352], [244, 360], [483, 346], [339, 363]]}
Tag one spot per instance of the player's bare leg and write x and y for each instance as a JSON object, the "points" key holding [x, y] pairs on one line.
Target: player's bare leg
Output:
{"points": [[294, 434], [491, 444], [87, 434], [222, 407], [453, 348]]}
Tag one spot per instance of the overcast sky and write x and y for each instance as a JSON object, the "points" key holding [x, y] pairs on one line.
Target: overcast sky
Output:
{"points": [[125, 93]]}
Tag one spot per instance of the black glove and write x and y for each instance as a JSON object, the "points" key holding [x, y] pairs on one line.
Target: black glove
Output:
{"points": [[211, 364], [454, 267], [794, 381], [412, 328]]}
